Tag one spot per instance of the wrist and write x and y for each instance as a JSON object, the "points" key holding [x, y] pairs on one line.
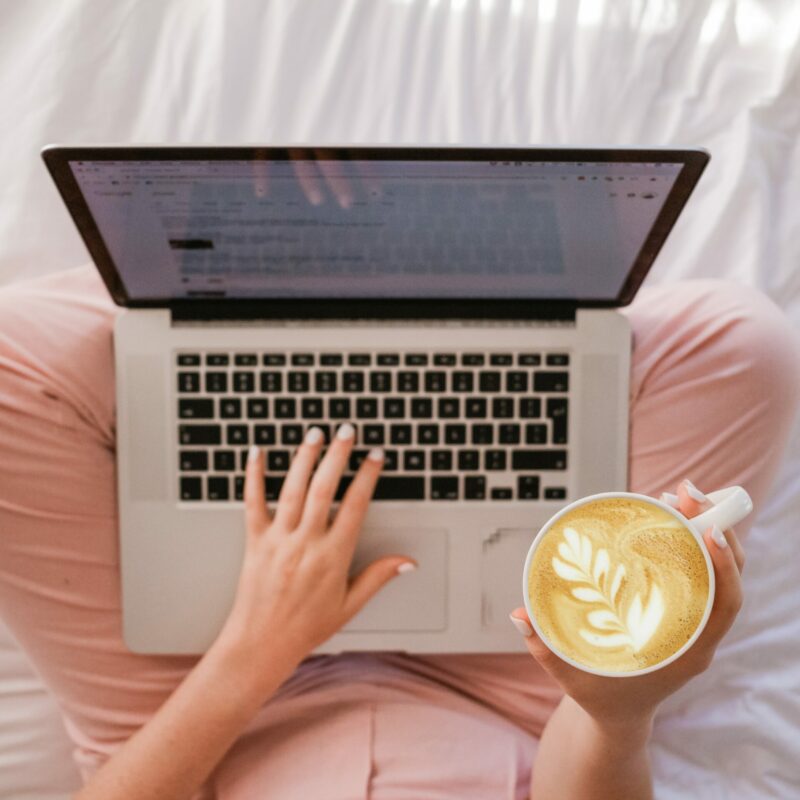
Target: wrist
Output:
{"points": [[631, 728]]}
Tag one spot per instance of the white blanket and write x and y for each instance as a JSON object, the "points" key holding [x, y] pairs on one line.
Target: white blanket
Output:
{"points": [[716, 73]]}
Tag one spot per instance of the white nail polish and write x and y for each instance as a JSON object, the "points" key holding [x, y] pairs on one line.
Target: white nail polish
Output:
{"points": [[694, 492], [718, 537], [313, 435], [376, 454], [346, 431], [406, 566], [670, 499], [521, 625], [252, 453]]}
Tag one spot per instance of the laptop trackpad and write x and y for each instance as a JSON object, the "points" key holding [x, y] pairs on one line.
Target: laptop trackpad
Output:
{"points": [[416, 601]]}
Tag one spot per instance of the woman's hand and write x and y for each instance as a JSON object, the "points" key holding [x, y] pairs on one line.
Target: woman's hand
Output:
{"points": [[613, 702], [294, 591]]}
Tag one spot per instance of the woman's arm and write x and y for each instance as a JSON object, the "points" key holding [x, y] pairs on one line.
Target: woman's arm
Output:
{"points": [[595, 743], [293, 594]]}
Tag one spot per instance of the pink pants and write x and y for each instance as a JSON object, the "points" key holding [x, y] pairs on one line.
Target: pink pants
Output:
{"points": [[714, 390]]}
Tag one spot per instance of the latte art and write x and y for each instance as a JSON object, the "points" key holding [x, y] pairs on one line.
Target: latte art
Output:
{"points": [[618, 584]]}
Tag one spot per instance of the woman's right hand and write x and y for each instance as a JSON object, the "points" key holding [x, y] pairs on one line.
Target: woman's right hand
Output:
{"points": [[615, 702], [294, 591]]}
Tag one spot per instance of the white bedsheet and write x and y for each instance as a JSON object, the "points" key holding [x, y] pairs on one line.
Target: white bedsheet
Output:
{"points": [[717, 73]]}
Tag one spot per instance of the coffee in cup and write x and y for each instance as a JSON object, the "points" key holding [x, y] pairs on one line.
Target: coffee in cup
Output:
{"points": [[619, 583]]}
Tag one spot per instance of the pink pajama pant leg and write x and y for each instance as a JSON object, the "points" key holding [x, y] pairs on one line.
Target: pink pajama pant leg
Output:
{"points": [[714, 390]]}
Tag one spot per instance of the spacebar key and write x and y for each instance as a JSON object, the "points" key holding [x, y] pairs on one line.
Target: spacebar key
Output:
{"points": [[393, 487], [539, 459]]}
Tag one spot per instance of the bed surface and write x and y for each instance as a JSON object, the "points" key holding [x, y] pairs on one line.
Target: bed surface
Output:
{"points": [[712, 73]]}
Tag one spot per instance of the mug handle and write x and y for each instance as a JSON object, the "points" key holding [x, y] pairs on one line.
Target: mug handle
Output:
{"points": [[731, 505]]}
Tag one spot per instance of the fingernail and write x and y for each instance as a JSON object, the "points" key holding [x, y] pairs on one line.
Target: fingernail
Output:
{"points": [[376, 454], [346, 431], [694, 492], [406, 566], [313, 435], [670, 499], [253, 453], [521, 625], [718, 537]]}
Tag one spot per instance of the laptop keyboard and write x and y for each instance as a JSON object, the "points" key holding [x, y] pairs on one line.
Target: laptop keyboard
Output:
{"points": [[488, 426]]}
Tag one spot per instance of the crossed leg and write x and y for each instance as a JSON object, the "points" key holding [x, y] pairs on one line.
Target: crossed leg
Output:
{"points": [[715, 387]]}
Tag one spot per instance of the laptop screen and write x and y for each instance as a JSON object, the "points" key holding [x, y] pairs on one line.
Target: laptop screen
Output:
{"points": [[305, 225]]}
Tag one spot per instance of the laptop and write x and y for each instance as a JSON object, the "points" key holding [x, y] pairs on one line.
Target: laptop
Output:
{"points": [[457, 305]]}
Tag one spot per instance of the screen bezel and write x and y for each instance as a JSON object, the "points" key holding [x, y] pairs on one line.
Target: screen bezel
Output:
{"points": [[57, 158]]}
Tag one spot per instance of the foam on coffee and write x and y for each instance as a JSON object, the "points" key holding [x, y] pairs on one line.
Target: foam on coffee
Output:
{"points": [[618, 584]]}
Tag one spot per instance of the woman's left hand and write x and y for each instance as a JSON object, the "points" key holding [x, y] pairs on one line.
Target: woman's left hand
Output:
{"points": [[611, 701]]}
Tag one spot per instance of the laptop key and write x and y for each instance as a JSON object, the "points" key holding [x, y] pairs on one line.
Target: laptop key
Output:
{"points": [[224, 461], [238, 487], [390, 460], [400, 434], [482, 434], [449, 407], [191, 489], [444, 488], [462, 381], [468, 460], [244, 381], [436, 381], [530, 407], [557, 359], [339, 408], [373, 434], [230, 408], [489, 381], [407, 381], [344, 482], [245, 359], [356, 457], [298, 381], [366, 408], [442, 459], [188, 381], [414, 460], [474, 487], [535, 434], [528, 487], [526, 460], [557, 411], [551, 381], [501, 359], [217, 487], [196, 409], [394, 407], [399, 487], [216, 381], [508, 433], [421, 408], [325, 381], [193, 460], [200, 434], [455, 434], [472, 359], [444, 359], [495, 459], [274, 359], [416, 359], [330, 359], [217, 359], [291, 434], [387, 359], [278, 460], [501, 493], [265, 434], [359, 359], [302, 359], [476, 408], [427, 434], [502, 407], [353, 381], [237, 434], [256, 408], [529, 359], [271, 381], [311, 408], [272, 486], [516, 381], [285, 408], [188, 360], [380, 381]]}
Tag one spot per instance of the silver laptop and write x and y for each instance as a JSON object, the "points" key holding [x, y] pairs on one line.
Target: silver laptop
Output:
{"points": [[457, 305]]}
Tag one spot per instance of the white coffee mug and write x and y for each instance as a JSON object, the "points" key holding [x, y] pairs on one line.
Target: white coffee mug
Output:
{"points": [[730, 506]]}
